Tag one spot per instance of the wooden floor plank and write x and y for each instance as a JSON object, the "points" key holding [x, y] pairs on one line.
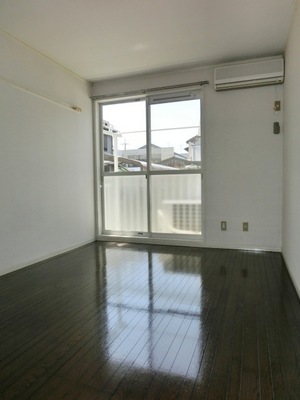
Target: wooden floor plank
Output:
{"points": [[222, 362], [216, 288], [111, 321], [250, 384], [265, 370]]}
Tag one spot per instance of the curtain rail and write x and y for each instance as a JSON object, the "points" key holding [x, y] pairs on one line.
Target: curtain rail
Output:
{"points": [[150, 90]]}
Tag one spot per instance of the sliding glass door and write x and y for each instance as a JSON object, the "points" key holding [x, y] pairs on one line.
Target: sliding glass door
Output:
{"points": [[151, 166], [175, 195]]}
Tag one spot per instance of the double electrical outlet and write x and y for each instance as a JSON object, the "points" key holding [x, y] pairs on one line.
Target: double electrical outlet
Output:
{"points": [[224, 226]]}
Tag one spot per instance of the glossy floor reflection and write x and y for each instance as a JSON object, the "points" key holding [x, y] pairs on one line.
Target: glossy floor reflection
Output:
{"points": [[153, 315], [112, 321]]}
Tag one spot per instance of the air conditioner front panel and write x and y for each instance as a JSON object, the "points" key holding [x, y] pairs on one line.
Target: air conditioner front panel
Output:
{"points": [[247, 74]]}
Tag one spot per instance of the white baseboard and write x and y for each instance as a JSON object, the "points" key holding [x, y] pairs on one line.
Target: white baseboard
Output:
{"points": [[181, 242], [292, 277]]}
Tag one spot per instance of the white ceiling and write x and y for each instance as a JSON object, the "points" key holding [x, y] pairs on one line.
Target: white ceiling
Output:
{"points": [[100, 39]]}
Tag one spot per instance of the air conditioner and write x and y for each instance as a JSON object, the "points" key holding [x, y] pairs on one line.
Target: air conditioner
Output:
{"points": [[250, 74]]}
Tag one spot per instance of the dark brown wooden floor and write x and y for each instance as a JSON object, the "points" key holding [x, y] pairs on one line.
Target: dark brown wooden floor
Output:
{"points": [[112, 321]]}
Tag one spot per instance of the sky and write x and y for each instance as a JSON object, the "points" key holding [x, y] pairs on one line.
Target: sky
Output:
{"points": [[131, 117]]}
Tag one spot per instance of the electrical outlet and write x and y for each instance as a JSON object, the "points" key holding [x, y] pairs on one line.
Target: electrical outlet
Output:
{"points": [[223, 225], [245, 226]]}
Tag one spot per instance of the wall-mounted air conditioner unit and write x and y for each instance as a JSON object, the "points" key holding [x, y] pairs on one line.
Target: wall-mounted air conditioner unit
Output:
{"points": [[250, 74]]}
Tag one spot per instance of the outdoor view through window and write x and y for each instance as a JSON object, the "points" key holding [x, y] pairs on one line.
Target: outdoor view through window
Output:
{"points": [[175, 136], [169, 200]]}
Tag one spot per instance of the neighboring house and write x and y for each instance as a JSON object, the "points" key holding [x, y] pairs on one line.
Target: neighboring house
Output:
{"points": [[109, 132], [178, 161], [194, 148], [157, 153]]}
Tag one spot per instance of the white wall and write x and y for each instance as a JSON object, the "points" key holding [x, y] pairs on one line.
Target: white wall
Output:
{"points": [[243, 158], [291, 154], [46, 159], [244, 168]]}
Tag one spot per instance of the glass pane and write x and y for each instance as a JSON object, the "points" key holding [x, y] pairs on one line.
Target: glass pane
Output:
{"points": [[125, 203], [124, 136], [176, 203], [176, 135]]}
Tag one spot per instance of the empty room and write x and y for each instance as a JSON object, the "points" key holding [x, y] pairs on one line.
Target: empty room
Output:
{"points": [[149, 203]]}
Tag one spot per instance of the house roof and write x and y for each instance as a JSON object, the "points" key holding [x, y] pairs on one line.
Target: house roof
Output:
{"points": [[193, 139], [152, 145]]}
